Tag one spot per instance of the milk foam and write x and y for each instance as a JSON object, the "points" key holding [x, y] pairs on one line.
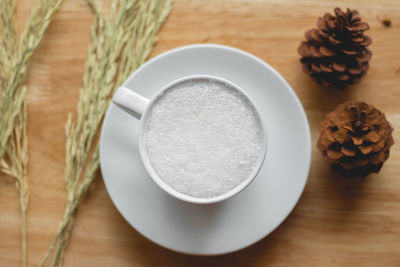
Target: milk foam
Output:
{"points": [[203, 138]]}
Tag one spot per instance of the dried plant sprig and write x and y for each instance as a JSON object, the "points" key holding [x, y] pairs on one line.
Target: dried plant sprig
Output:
{"points": [[14, 60], [14, 76], [15, 165], [121, 40], [7, 40]]}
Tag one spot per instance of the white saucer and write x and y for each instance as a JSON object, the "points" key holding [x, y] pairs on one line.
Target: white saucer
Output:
{"points": [[235, 223]]}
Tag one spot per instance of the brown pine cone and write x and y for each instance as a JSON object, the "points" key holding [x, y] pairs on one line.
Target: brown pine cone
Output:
{"points": [[336, 54], [355, 138]]}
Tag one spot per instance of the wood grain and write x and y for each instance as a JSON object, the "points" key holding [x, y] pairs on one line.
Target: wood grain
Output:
{"points": [[338, 222]]}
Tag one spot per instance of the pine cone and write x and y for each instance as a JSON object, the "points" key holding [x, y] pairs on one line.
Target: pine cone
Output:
{"points": [[355, 138], [336, 53]]}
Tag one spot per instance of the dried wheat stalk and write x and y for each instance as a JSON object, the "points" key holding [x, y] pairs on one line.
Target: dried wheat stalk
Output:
{"points": [[122, 39], [18, 55], [15, 165], [14, 60]]}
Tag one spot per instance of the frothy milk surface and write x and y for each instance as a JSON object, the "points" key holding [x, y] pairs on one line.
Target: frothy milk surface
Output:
{"points": [[203, 138]]}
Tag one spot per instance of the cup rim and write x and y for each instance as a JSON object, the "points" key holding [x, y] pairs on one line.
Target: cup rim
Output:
{"points": [[169, 189]]}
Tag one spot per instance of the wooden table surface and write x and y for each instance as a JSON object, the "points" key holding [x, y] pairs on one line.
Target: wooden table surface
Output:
{"points": [[337, 222]]}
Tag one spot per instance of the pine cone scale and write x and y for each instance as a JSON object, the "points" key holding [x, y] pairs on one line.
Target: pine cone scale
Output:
{"points": [[354, 71], [348, 152], [362, 26], [372, 136], [339, 67], [365, 149]]}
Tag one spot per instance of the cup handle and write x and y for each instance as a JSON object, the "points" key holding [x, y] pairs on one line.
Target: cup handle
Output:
{"points": [[130, 101]]}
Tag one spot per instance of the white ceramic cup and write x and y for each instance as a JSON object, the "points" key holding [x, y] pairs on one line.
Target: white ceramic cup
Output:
{"points": [[139, 106]]}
